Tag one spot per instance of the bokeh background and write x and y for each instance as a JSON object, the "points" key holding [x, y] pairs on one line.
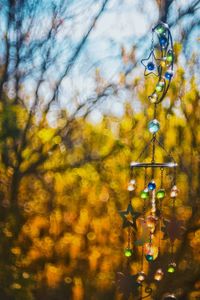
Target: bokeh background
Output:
{"points": [[73, 114]]}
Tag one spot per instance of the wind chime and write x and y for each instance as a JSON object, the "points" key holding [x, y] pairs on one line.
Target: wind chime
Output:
{"points": [[146, 229]]}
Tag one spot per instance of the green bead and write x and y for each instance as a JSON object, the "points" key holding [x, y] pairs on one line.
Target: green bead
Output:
{"points": [[128, 252], [160, 29], [149, 257], [171, 268], [169, 56], [159, 86], [144, 194], [160, 194]]}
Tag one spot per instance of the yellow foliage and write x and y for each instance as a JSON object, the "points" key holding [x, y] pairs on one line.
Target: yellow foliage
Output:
{"points": [[53, 274]]}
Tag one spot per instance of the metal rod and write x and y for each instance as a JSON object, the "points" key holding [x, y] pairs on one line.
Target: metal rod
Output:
{"points": [[153, 165]]}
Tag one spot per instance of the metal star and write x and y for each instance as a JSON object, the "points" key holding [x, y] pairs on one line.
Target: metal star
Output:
{"points": [[129, 217], [151, 65], [173, 229], [127, 284]]}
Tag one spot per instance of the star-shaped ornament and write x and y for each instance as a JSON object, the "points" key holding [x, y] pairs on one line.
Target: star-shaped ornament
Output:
{"points": [[151, 65], [129, 217], [127, 284], [173, 229]]}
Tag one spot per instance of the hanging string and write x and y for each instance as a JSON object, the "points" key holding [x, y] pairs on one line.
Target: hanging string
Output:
{"points": [[154, 143], [128, 247], [174, 179], [160, 208], [161, 177], [144, 211]]}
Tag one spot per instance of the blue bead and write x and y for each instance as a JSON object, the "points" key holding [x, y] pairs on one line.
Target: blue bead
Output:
{"points": [[150, 66], [168, 75], [163, 40], [149, 257], [151, 186], [153, 126]]}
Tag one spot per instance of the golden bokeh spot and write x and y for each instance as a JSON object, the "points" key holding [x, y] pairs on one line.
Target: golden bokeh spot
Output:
{"points": [[68, 280], [16, 286]]}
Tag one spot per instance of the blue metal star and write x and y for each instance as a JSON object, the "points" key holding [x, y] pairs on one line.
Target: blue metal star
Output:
{"points": [[151, 65]]}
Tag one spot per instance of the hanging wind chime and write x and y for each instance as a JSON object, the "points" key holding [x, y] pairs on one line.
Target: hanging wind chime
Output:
{"points": [[146, 229]]}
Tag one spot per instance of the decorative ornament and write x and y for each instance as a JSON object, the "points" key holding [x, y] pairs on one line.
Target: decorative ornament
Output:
{"points": [[174, 192], [129, 217], [152, 185], [160, 194], [151, 65], [168, 75], [153, 98], [161, 28], [153, 126], [152, 223], [164, 64], [160, 86], [163, 41], [131, 185], [141, 277], [144, 194], [170, 56], [149, 257], [158, 275], [173, 229], [171, 268], [128, 252], [150, 251], [169, 297], [127, 284]]}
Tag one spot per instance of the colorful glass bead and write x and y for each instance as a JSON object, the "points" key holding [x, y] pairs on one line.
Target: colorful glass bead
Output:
{"points": [[171, 268], [160, 86], [154, 126], [144, 194], [141, 277], [169, 74], [160, 28], [169, 56], [150, 249], [151, 185], [163, 41], [163, 62], [160, 194], [169, 297], [158, 275], [153, 98], [131, 185], [150, 66], [174, 192], [149, 257], [128, 252], [132, 181], [151, 222]]}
